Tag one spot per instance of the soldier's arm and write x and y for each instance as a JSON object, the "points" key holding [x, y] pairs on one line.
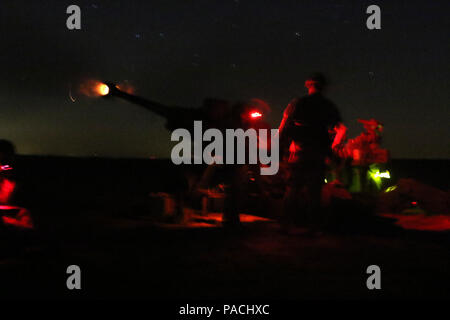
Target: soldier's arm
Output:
{"points": [[340, 132], [286, 115], [337, 126], [283, 135]]}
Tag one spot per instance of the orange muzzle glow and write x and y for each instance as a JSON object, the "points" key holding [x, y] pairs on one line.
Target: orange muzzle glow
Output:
{"points": [[102, 89]]}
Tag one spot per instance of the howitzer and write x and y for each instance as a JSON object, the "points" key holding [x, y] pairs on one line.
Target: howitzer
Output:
{"points": [[214, 113]]}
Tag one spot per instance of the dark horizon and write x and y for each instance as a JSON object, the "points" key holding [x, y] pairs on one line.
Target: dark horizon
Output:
{"points": [[179, 53]]}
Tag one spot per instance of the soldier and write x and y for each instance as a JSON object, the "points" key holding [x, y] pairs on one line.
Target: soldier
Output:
{"points": [[7, 184], [306, 132], [244, 115], [234, 177], [10, 215]]}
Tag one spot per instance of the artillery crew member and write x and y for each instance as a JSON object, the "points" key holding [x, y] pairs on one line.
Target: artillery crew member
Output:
{"points": [[306, 134]]}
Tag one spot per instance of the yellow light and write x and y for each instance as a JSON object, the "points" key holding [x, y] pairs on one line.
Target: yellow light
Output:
{"points": [[385, 174], [377, 176], [392, 188], [102, 89]]}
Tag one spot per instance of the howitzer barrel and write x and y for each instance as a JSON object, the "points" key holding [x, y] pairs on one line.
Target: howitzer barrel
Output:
{"points": [[177, 117], [150, 105]]}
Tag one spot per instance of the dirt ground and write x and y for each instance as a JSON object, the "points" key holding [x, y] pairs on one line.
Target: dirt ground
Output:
{"points": [[87, 214], [134, 258]]}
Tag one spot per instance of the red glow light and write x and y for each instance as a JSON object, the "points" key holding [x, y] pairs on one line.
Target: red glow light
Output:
{"points": [[255, 114], [6, 189], [21, 218]]}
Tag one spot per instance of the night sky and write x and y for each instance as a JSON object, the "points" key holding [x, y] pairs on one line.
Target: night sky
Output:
{"points": [[180, 52]]}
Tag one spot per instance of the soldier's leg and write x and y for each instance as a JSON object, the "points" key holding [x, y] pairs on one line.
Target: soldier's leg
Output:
{"points": [[233, 195], [316, 181], [289, 207], [315, 214]]}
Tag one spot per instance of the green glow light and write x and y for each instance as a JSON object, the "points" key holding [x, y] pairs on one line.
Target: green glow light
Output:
{"points": [[392, 188]]}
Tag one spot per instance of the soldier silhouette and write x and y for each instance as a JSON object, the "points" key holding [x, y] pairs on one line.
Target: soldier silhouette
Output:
{"points": [[306, 136]]}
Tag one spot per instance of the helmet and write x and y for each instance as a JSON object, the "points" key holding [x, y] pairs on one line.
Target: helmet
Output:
{"points": [[318, 80]]}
